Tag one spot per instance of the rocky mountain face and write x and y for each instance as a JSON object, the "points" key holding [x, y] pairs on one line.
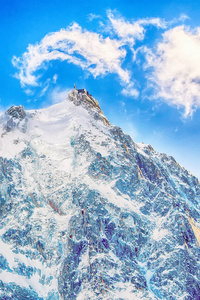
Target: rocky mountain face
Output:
{"points": [[86, 213]]}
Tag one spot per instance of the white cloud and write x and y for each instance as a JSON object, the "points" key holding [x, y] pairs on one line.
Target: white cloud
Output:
{"points": [[89, 50], [128, 33], [45, 88], [55, 77], [92, 17], [131, 31], [176, 68], [130, 91], [86, 49], [182, 18], [29, 92]]}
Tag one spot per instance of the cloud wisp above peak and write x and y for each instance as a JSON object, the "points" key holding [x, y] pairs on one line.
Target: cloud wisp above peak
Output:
{"points": [[92, 52], [171, 66], [87, 49]]}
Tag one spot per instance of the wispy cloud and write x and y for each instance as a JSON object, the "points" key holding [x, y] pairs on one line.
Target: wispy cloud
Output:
{"points": [[130, 91], [92, 17], [45, 88], [29, 92], [86, 49], [135, 30], [54, 79], [91, 51], [58, 95], [175, 68]]}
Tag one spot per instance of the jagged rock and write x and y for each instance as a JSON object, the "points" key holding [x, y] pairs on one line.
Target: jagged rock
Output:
{"points": [[83, 98], [17, 118], [17, 112]]}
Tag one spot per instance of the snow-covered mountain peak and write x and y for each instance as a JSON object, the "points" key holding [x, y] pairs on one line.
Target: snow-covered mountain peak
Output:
{"points": [[86, 213], [86, 100], [77, 114]]}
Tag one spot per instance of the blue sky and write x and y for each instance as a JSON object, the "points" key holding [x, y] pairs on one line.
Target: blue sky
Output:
{"points": [[139, 59]]}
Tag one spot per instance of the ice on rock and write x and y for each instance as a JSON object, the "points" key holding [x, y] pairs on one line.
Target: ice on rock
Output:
{"points": [[15, 117], [17, 112], [86, 213]]}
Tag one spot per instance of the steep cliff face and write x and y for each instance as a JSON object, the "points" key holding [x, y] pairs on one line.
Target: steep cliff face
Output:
{"points": [[86, 213]]}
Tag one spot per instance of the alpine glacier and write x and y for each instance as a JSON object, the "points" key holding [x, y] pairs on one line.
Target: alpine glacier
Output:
{"points": [[86, 213]]}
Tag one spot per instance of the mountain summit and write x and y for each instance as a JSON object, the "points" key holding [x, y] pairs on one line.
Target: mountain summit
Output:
{"points": [[86, 213]]}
